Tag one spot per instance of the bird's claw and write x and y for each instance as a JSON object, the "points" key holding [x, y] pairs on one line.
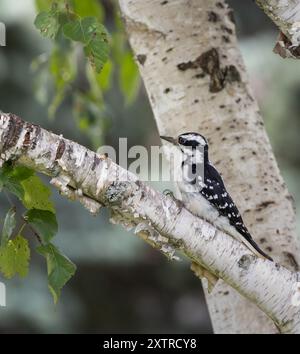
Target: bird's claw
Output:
{"points": [[170, 194]]}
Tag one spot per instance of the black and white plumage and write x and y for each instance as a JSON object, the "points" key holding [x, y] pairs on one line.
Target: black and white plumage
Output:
{"points": [[204, 193]]}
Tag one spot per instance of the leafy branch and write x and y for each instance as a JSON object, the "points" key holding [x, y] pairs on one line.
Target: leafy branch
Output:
{"points": [[41, 219], [79, 66], [83, 62]]}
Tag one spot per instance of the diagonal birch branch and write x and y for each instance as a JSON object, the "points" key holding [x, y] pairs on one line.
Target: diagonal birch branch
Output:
{"points": [[96, 178]]}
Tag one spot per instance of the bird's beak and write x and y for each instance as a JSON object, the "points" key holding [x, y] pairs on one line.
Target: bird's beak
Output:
{"points": [[169, 139]]}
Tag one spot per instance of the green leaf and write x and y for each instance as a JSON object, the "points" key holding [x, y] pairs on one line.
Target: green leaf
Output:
{"points": [[81, 30], [15, 187], [36, 194], [42, 5], [21, 173], [10, 182], [89, 8], [97, 52], [60, 269], [47, 22], [44, 222], [14, 257], [129, 78], [8, 226], [93, 35], [5, 171]]}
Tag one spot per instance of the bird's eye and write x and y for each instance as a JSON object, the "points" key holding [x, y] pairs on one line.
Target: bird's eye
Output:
{"points": [[180, 140]]}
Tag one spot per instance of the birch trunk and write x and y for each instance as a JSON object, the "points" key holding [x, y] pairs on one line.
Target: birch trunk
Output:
{"points": [[95, 180], [196, 80]]}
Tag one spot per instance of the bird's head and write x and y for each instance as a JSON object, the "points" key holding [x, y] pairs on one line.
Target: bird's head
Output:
{"points": [[189, 142], [193, 148]]}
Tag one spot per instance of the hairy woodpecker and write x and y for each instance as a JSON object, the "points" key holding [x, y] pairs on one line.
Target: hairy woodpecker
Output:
{"points": [[203, 191]]}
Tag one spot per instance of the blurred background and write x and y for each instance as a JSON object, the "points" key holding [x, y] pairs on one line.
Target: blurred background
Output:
{"points": [[121, 284]]}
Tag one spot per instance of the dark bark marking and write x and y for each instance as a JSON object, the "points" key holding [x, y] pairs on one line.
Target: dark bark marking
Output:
{"points": [[26, 141], [27, 137], [245, 261], [209, 62], [277, 266], [199, 76], [213, 17], [60, 149], [225, 39], [292, 260], [187, 65], [226, 29], [232, 74], [15, 127], [264, 205], [141, 58], [231, 16], [36, 136]]}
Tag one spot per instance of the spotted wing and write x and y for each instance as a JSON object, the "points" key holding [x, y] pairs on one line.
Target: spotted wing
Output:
{"points": [[215, 192]]}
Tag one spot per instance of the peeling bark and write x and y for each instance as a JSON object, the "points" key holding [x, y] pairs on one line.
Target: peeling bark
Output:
{"points": [[286, 15], [267, 284], [196, 81]]}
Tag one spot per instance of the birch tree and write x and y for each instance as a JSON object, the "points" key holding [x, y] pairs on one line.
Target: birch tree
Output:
{"points": [[195, 78], [196, 81]]}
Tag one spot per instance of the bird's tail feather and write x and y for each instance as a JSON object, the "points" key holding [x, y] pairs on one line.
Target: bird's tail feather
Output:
{"points": [[251, 244]]}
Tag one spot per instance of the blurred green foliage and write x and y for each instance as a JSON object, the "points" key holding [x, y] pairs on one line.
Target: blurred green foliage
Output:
{"points": [[68, 24]]}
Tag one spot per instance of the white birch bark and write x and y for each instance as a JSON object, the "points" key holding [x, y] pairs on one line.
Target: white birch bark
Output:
{"points": [[196, 80], [286, 15], [96, 181]]}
